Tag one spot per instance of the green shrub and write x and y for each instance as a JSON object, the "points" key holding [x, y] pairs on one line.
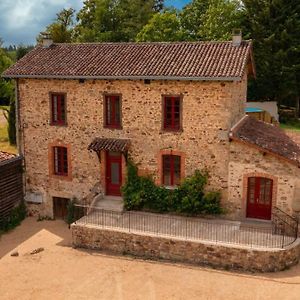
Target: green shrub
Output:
{"points": [[74, 212], [15, 218], [141, 193]]}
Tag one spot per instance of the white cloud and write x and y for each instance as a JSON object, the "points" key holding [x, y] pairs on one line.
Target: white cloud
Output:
{"points": [[22, 20]]}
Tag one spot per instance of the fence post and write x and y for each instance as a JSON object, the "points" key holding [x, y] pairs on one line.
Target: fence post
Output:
{"points": [[186, 230], [283, 235], [129, 221], [297, 227]]}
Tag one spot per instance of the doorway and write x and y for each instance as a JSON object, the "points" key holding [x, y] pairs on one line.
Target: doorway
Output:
{"points": [[113, 173], [259, 198], [60, 208]]}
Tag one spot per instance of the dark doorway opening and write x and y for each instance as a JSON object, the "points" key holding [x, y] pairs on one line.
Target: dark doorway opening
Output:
{"points": [[60, 208]]}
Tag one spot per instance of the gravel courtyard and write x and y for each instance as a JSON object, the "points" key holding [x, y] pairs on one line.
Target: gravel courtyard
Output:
{"points": [[61, 272]]}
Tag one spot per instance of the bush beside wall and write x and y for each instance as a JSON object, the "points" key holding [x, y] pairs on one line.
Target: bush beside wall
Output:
{"points": [[141, 193], [15, 218]]}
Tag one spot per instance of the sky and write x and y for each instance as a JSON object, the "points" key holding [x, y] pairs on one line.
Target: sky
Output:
{"points": [[22, 20]]}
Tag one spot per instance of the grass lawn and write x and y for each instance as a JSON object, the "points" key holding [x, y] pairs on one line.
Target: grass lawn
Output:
{"points": [[4, 144], [294, 127], [3, 107]]}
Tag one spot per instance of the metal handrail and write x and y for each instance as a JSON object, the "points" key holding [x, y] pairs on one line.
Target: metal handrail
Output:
{"points": [[187, 228]]}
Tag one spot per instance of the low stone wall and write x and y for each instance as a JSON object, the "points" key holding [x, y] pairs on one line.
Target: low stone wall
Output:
{"points": [[217, 256]]}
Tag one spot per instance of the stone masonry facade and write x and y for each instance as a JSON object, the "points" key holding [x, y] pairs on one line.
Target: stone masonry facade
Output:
{"points": [[193, 252], [247, 161], [209, 110]]}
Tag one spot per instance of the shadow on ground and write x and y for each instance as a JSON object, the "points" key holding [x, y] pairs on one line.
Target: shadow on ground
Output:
{"points": [[31, 227]]}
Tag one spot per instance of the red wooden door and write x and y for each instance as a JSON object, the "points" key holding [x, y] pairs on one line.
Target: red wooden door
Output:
{"points": [[259, 202], [113, 173]]}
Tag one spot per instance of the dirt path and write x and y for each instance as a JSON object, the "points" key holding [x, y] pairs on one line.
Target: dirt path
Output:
{"points": [[295, 135], [61, 272]]}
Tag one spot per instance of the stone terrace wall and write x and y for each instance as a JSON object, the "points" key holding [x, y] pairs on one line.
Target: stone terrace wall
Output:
{"points": [[154, 247], [209, 111], [246, 160]]}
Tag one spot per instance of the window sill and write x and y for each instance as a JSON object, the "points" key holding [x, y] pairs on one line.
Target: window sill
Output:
{"points": [[61, 177], [170, 187], [177, 131], [59, 124], [113, 127]]}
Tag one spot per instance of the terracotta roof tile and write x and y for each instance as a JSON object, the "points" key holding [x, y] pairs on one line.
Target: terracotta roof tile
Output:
{"points": [[99, 144], [6, 156], [267, 137], [181, 60]]}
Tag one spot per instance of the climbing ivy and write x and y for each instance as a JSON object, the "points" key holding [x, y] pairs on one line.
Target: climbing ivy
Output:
{"points": [[141, 193]]}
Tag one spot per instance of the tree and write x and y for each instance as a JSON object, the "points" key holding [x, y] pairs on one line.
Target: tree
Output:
{"points": [[211, 19], [22, 51], [61, 30], [6, 87], [10, 116], [114, 20], [162, 27], [226, 13], [274, 26], [191, 17]]}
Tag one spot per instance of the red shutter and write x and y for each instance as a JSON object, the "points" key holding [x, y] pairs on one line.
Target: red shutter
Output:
{"points": [[60, 161], [172, 113], [112, 111], [58, 114]]}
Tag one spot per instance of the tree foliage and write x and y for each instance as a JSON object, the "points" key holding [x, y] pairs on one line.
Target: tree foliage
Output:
{"points": [[163, 26], [114, 20], [6, 87], [220, 19], [61, 30], [274, 27]]}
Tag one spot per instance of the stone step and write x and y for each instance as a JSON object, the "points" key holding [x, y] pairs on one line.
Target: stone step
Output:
{"points": [[113, 203]]}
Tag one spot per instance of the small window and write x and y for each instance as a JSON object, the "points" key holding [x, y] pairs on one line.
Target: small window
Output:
{"points": [[112, 111], [172, 113], [171, 170], [60, 158], [58, 109]]}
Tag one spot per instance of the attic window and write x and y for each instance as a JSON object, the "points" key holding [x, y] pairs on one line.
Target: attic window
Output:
{"points": [[147, 81]]}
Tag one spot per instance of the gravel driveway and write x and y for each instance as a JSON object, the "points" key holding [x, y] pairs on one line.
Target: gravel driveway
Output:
{"points": [[61, 272]]}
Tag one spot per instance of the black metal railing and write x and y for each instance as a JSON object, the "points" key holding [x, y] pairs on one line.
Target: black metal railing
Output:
{"points": [[284, 225], [187, 228]]}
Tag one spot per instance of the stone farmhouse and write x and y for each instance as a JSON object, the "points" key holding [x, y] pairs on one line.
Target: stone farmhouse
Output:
{"points": [[83, 109]]}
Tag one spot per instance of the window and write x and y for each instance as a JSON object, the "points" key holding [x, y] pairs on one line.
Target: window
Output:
{"points": [[60, 158], [171, 169], [58, 109], [112, 111], [172, 113]]}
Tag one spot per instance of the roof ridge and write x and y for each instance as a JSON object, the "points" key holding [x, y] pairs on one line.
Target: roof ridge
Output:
{"points": [[206, 60], [148, 43], [267, 137]]}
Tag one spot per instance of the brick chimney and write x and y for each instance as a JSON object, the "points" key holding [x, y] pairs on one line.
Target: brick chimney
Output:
{"points": [[236, 37], [46, 39]]}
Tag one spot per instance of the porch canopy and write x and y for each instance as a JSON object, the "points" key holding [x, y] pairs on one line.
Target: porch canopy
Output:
{"points": [[117, 145]]}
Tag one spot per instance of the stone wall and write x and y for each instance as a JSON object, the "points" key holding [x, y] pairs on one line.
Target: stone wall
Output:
{"points": [[209, 111], [217, 256], [247, 161]]}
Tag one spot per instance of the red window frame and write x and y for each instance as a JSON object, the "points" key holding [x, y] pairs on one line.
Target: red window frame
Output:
{"points": [[112, 111], [172, 113], [58, 109], [60, 161], [169, 165]]}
